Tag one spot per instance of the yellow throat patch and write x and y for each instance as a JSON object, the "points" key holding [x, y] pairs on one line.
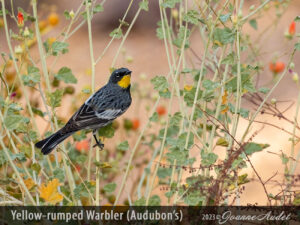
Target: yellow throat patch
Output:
{"points": [[124, 82]]}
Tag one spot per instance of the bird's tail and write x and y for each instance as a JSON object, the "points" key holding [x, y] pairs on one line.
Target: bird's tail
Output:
{"points": [[49, 143]]}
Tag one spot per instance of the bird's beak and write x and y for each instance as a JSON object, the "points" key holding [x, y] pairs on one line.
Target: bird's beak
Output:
{"points": [[129, 73]]}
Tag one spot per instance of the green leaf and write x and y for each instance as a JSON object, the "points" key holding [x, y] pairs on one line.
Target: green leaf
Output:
{"points": [[222, 142], [165, 93], [67, 14], [264, 90], [178, 42], [12, 122], [98, 8], [179, 156], [243, 179], [81, 190], [189, 96], [210, 85], [19, 156], [123, 146], [37, 112], [116, 33], [160, 83], [180, 142], [253, 23], [154, 117], [192, 16], [229, 59], [284, 158], [14, 107], [159, 31], [297, 19], [33, 76], [140, 202], [154, 200], [144, 5], [225, 17], [65, 74], [252, 147], [207, 159], [176, 119], [54, 98], [247, 83], [297, 46], [59, 174], [164, 172], [244, 112], [58, 47], [224, 36], [194, 199], [108, 131], [36, 167], [169, 3], [110, 187]]}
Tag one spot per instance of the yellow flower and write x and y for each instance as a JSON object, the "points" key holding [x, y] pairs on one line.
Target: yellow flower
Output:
{"points": [[218, 43], [188, 87], [50, 192], [224, 98], [225, 110]]}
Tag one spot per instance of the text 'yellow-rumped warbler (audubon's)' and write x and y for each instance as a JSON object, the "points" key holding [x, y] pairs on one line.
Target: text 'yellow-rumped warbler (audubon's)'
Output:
{"points": [[100, 109]]}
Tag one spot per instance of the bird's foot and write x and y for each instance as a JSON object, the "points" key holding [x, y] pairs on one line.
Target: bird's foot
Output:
{"points": [[100, 145]]}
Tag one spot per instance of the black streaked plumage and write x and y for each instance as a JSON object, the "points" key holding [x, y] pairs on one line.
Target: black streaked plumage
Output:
{"points": [[105, 105]]}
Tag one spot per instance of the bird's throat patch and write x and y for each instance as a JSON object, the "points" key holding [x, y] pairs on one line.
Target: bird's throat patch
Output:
{"points": [[124, 82]]}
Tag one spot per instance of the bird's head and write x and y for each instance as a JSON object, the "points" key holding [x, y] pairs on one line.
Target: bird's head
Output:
{"points": [[121, 77]]}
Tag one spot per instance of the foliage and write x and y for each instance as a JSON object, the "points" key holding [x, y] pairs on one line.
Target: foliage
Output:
{"points": [[193, 111]]}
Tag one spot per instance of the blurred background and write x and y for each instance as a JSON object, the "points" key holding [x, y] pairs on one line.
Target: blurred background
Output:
{"points": [[144, 54]]}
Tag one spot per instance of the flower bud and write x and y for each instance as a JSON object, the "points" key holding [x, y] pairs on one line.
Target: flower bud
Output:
{"points": [[18, 50], [295, 77], [26, 32], [71, 13], [273, 101]]}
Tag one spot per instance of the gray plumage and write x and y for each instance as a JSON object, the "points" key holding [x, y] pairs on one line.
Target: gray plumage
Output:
{"points": [[99, 110]]}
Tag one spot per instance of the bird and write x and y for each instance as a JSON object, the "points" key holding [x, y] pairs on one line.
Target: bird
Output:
{"points": [[99, 110]]}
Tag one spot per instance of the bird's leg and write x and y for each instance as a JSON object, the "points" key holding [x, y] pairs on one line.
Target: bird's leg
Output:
{"points": [[98, 142]]}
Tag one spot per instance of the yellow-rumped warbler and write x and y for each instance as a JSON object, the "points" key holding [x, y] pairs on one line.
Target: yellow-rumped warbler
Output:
{"points": [[100, 109]]}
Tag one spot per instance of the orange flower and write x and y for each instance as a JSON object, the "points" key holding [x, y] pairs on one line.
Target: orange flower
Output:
{"points": [[20, 19], [53, 19], [135, 124], [277, 67], [224, 98], [82, 145], [161, 110], [78, 168], [292, 28]]}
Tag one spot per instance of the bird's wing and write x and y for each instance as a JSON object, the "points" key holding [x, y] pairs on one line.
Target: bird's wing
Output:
{"points": [[96, 111]]}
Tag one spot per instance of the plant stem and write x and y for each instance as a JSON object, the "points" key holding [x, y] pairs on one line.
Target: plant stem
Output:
{"points": [[89, 23], [16, 66], [125, 37]]}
